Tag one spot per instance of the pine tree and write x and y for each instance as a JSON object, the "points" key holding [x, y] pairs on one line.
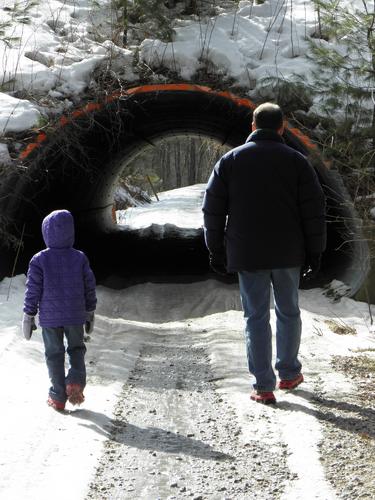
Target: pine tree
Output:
{"points": [[344, 52], [132, 12], [158, 15], [343, 49]]}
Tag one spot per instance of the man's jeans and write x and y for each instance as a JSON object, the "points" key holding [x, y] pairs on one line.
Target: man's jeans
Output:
{"points": [[55, 358], [255, 289]]}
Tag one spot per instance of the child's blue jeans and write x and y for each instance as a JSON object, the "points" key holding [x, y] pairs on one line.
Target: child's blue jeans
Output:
{"points": [[55, 358]]}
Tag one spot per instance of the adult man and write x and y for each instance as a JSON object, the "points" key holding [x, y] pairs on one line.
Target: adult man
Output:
{"points": [[264, 218]]}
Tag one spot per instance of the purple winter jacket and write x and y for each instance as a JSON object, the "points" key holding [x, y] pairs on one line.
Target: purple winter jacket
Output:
{"points": [[60, 284]]}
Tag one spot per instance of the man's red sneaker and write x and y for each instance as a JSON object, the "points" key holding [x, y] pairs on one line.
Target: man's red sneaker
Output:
{"points": [[266, 398], [292, 383], [56, 405], [75, 394]]}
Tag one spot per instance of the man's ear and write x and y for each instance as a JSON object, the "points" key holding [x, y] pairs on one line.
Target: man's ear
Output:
{"points": [[253, 126], [282, 128]]}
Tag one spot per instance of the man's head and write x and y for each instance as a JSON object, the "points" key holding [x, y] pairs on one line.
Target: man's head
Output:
{"points": [[268, 115]]}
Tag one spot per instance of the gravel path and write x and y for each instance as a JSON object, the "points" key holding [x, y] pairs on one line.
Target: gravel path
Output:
{"points": [[348, 445], [173, 436], [183, 425]]}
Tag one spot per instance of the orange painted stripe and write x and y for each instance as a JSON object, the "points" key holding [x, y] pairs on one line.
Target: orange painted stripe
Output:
{"points": [[112, 97], [187, 87], [77, 113], [302, 137], [92, 106], [162, 87], [41, 137], [63, 121], [29, 149]]}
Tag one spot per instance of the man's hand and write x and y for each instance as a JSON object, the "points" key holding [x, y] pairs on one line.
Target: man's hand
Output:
{"points": [[218, 264], [311, 267], [89, 323], [28, 325]]}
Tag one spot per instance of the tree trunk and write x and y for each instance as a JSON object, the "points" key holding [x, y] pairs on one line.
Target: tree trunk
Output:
{"points": [[125, 23], [192, 162], [371, 46]]}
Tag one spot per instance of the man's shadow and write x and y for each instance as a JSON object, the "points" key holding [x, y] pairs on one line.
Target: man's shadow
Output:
{"points": [[357, 419], [147, 438]]}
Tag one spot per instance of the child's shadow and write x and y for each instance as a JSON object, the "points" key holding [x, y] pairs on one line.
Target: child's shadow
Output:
{"points": [[147, 438]]}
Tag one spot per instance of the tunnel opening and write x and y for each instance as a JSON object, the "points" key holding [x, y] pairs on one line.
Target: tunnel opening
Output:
{"points": [[77, 166], [162, 187]]}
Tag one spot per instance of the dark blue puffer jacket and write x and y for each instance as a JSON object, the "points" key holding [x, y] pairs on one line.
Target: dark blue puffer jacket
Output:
{"points": [[264, 206], [60, 283]]}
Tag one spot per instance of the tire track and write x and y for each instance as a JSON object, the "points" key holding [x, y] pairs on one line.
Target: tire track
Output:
{"points": [[173, 436]]}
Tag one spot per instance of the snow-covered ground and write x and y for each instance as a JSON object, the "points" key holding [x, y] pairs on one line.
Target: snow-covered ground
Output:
{"points": [[43, 451], [148, 334], [180, 207], [48, 63]]}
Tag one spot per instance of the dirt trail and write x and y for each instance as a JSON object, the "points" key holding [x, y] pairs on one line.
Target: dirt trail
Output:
{"points": [[183, 425], [173, 436]]}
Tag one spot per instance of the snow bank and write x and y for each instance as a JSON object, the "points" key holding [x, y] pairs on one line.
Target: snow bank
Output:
{"points": [[52, 49], [248, 44], [17, 114], [57, 51]]}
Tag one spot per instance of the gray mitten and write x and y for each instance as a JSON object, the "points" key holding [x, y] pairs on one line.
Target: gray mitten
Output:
{"points": [[90, 320], [28, 325]]}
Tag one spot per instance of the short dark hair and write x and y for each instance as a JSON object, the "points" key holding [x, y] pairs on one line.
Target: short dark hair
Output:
{"points": [[268, 115]]}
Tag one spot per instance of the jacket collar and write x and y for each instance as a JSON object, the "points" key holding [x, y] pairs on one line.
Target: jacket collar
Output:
{"points": [[265, 134]]}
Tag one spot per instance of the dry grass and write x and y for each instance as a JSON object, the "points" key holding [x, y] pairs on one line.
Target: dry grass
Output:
{"points": [[340, 328]]}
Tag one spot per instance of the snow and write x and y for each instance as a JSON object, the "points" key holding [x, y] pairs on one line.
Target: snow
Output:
{"points": [[41, 446], [73, 79], [180, 207], [56, 52], [238, 46], [4, 155], [17, 114]]}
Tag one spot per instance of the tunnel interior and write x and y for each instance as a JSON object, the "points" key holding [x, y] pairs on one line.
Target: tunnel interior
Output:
{"points": [[78, 165]]}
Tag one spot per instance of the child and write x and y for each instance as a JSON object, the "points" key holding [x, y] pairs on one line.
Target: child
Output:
{"points": [[61, 287]]}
